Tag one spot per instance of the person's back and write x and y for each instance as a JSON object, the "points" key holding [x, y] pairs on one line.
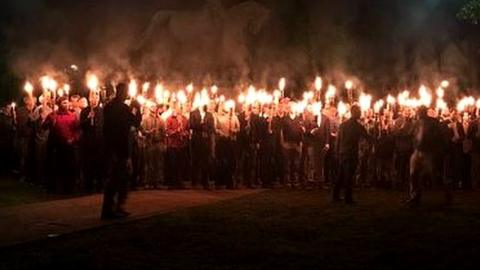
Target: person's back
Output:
{"points": [[429, 142], [428, 135], [349, 135], [117, 123]]}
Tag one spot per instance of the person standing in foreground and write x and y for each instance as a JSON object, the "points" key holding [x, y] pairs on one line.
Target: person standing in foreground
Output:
{"points": [[118, 119], [428, 142], [349, 135]]}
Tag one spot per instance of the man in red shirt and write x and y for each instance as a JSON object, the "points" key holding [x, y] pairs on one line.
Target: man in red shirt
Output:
{"points": [[177, 148], [65, 129]]}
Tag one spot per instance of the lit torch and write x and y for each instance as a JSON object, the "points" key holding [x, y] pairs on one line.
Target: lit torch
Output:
{"points": [[478, 107], [145, 88], [445, 84], [378, 106], [390, 101], [318, 83], [159, 93], [190, 88], [281, 85], [66, 89], [330, 94], [342, 109], [132, 89], [214, 90], [29, 89], [349, 87], [318, 86], [92, 82], [365, 102]]}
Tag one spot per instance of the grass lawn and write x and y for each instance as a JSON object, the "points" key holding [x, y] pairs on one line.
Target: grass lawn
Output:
{"points": [[13, 192], [275, 230]]}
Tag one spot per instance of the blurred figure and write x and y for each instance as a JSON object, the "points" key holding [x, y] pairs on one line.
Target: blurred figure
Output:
{"points": [[202, 124], [41, 133], [349, 135], [474, 136], [428, 141], [25, 139], [330, 164], [91, 119], [118, 119], [403, 142], [227, 128], [321, 145], [292, 141], [177, 132], [65, 129], [153, 130], [7, 132]]}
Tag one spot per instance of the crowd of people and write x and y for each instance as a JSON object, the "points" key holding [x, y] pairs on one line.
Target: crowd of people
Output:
{"points": [[62, 144]]}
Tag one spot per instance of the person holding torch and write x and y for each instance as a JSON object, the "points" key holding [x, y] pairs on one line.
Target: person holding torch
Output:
{"points": [[92, 144]]}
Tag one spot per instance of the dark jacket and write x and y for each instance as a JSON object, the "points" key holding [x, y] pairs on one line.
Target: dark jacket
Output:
{"points": [[428, 136], [349, 135], [118, 119], [321, 134], [202, 130], [292, 130], [92, 130]]}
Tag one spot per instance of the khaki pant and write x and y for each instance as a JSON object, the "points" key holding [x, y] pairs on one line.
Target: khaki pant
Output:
{"points": [[154, 163]]}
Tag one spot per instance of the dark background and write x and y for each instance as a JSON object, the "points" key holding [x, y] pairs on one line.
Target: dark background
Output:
{"points": [[384, 43]]}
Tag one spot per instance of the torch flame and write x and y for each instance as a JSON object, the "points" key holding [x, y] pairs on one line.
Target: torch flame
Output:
{"points": [[349, 85], [440, 92], [214, 89], [445, 84], [390, 100], [378, 105], [159, 92], [241, 98], [342, 109], [441, 104], [331, 91], [181, 97], [318, 83], [92, 82], [141, 100], [365, 102], [190, 88], [28, 88], [282, 83], [145, 87], [132, 88], [230, 104], [317, 108], [48, 83]]}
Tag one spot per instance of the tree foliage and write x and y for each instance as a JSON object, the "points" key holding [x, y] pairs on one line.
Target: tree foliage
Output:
{"points": [[470, 12]]}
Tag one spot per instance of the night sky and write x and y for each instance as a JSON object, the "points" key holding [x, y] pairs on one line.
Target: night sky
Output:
{"points": [[383, 43]]}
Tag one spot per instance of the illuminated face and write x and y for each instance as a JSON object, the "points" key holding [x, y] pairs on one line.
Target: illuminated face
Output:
{"points": [[64, 105], [256, 109], [153, 109], [29, 103], [94, 100]]}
